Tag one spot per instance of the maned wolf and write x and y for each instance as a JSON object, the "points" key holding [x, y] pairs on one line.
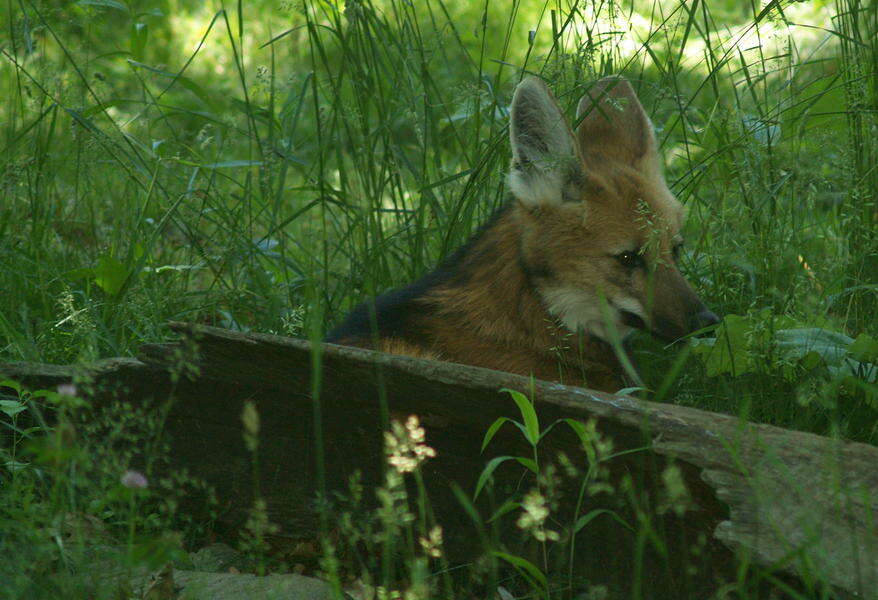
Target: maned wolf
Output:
{"points": [[585, 250]]}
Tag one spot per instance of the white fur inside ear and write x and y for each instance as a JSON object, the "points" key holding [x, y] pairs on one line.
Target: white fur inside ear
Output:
{"points": [[536, 188], [543, 147]]}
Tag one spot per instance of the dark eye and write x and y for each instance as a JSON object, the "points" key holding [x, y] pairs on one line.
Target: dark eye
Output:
{"points": [[630, 259]]}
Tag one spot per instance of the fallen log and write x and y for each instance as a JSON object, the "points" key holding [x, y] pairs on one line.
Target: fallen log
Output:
{"points": [[785, 499]]}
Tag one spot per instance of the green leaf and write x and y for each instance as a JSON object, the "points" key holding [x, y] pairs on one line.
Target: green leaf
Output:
{"points": [[184, 81], [150, 12], [529, 463], [548, 429], [488, 471], [104, 4], [631, 390], [579, 429], [506, 507], [231, 164], [585, 438], [729, 351], [12, 407], [14, 465], [260, 113], [465, 502], [446, 180], [528, 415], [139, 37], [527, 569], [835, 352], [13, 385], [870, 390], [592, 515], [110, 274], [492, 431], [743, 344], [810, 361], [795, 344], [864, 348], [867, 287]]}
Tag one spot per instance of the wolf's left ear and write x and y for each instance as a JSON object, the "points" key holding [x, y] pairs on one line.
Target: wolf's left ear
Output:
{"points": [[614, 125], [544, 155]]}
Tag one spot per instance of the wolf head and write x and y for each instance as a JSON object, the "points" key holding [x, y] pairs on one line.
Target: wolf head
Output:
{"points": [[600, 231]]}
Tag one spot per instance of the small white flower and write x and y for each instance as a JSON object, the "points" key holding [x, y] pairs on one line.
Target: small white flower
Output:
{"points": [[432, 544], [405, 447], [534, 516]]}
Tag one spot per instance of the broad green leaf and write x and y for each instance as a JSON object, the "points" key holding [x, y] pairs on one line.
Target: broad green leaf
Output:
{"points": [[110, 274], [14, 385], [11, 407], [864, 348], [812, 360], [795, 344], [528, 415], [744, 343], [728, 352]]}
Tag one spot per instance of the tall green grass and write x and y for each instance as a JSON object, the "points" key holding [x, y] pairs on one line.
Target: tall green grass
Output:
{"points": [[215, 166]]}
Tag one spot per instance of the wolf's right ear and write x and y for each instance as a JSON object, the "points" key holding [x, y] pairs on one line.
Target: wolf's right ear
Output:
{"points": [[544, 154]]}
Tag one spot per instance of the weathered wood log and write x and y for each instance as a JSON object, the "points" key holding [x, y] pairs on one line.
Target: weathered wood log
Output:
{"points": [[787, 499]]}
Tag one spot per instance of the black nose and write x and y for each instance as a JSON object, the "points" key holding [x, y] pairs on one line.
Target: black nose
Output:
{"points": [[703, 319]]}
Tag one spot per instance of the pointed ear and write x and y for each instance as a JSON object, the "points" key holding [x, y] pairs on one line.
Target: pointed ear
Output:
{"points": [[614, 125], [544, 155]]}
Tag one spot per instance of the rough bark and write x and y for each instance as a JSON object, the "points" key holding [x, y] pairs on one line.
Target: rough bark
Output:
{"points": [[791, 499]]}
